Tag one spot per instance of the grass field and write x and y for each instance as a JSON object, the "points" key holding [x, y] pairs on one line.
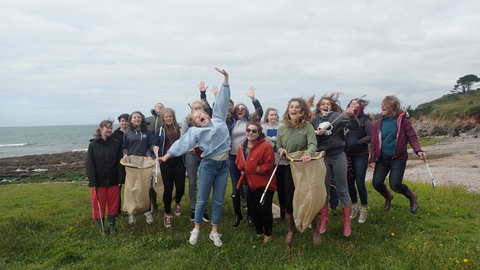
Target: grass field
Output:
{"points": [[49, 226]]}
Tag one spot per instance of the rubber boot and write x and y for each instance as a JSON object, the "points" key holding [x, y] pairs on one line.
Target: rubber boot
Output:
{"points": [[292, 230], [324, 219], [388, 199], [99, 226], [413, 200], [111, 224], [238, 211], [317, 238], [347, 227]]}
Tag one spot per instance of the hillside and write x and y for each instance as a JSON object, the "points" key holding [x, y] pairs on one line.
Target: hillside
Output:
{"points": [[449, 115]]}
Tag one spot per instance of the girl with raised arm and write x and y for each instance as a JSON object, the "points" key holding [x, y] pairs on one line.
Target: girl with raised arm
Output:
{"points": [[212, 137]]}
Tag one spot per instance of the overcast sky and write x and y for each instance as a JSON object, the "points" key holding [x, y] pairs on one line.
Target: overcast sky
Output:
{"points": [[79, 62]]}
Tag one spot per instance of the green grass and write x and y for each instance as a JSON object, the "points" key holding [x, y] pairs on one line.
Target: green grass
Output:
{"points": [[49, 226]]}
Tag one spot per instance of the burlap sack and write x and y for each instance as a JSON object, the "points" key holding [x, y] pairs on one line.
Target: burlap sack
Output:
{"points": [[137, 183], [310, 193]]}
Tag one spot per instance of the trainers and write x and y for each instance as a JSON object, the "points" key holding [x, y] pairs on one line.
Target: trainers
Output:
{"points": [[149, 217], [131, 219], [215, 237], [167, 220], [177, 210], [354, 210], [205, 217], [192, 215], [363, 216], [194, 236]]}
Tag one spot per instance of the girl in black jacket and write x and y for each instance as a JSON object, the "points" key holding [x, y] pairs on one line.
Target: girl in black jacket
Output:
{"points": [[104, 171]]}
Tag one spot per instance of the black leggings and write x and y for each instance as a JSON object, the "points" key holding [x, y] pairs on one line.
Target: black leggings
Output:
{"points": [[173, 173], [289, 190], [262, 214]]}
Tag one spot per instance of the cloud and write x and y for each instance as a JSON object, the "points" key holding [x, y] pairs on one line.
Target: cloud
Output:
{"points": [[82, 61]]}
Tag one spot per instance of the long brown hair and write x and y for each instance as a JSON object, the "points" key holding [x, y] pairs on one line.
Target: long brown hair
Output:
{"points": [[333, 98], [172, 132], [393, 104], [302, 119]]}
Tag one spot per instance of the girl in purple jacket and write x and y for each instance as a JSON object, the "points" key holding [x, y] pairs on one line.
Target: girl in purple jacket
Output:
{"points": [[388, 151]]}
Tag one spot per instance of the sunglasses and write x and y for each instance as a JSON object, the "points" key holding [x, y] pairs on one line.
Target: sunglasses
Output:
{"points": [[252, 130]]}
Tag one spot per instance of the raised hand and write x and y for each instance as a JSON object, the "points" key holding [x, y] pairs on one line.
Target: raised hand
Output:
{"points": [[215, 90], [225, 74], [251, 93], [201, 86]]}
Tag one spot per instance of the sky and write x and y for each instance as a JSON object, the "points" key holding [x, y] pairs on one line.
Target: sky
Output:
{"points": [[67, 62]]}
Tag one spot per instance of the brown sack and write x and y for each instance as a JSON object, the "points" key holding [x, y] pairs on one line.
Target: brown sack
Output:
{"points": [[310, 194], [137, 183]]}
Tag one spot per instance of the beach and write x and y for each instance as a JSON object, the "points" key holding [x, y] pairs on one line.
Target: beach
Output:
{"points": [[459, 164]]}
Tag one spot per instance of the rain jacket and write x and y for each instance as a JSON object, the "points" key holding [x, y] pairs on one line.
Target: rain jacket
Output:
{"points": [[405, 133], [103, 163], [257, 167]]}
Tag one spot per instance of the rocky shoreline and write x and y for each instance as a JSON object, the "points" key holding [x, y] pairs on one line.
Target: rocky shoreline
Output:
{"points": [[455, 161]]}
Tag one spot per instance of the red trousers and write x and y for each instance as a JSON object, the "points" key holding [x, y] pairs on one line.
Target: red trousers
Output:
{"points": [[107, 196]]}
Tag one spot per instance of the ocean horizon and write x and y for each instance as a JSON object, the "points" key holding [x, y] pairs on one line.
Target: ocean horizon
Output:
{"points": [[40, 140]]}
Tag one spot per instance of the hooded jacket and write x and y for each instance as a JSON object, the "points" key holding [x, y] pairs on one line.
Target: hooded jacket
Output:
{"points": [[258, 166], [333, 141], [137, 142], [103, 163], [405, 133]]}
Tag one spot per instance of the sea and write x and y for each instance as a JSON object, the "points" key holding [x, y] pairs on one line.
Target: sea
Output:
{"points": [[22, 141]]}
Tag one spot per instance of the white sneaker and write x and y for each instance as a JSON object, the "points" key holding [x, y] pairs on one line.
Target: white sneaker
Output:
{"points": [[194, 236], [215, 237], [354, 210], [131, 219], [149, 216], [363, 216]]}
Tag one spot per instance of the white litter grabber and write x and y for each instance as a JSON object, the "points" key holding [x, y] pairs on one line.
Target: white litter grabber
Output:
{"points": [[429, 171]]}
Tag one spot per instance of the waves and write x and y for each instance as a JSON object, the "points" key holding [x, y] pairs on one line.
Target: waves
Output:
{"points": [[14, 144]]}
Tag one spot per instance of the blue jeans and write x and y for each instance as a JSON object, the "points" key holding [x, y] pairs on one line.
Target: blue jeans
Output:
{"points": [[360, 165], [396, 167], [212, 174], [192, 161]]}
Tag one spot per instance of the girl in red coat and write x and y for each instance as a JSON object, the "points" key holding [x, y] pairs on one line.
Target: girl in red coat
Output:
{"points": [[255, 158]]}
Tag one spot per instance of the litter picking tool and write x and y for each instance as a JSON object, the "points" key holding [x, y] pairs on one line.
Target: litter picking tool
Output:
{"points": [[429, 171], [99, 210], [262, 199]]}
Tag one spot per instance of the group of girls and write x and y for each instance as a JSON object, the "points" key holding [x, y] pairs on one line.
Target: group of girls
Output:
{"points": [[214, 142]]}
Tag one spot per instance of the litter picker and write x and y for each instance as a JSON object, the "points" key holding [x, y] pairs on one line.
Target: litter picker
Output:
{"points": [[99, 210], [429, 171], [262, 199]]}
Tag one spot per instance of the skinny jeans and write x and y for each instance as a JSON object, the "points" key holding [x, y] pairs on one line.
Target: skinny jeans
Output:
{"points": [[360, 165], [396, 167], [192, 161], [213, 174]]}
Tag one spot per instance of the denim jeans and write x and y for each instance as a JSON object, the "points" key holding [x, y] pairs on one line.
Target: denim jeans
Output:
{"points": [[212, 174], [192, 161], [396, 167], [360, 165]]}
